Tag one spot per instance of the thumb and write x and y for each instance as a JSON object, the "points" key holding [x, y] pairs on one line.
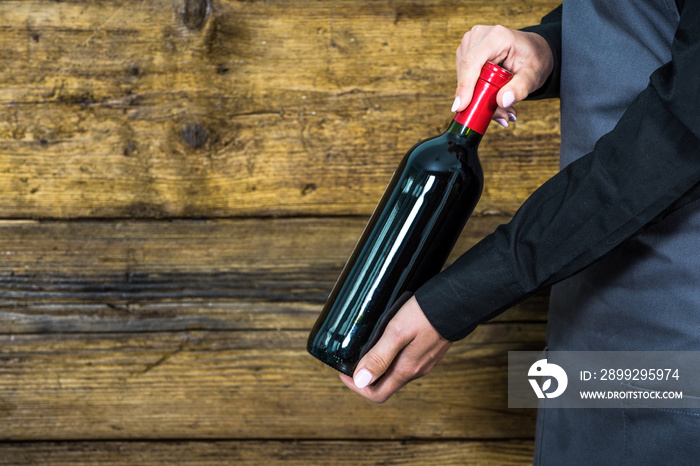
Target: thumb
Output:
{"points": [[377, 361], [516, 90]]}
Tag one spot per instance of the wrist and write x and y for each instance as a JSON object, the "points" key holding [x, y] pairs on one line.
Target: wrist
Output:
{"points": [[543, 60]]}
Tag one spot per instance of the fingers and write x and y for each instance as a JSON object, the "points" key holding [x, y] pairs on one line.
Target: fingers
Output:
{"points": [[516, 90], [409, 348], [377, 361], [413, 362], [526, 55], [481, 44], [505, 116], [384, 388]]}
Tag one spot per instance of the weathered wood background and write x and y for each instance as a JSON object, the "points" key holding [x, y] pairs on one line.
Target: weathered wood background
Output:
{"points": [[181, 182]]}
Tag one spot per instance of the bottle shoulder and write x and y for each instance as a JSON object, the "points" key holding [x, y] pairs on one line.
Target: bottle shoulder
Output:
{"points": [[444, 153]]}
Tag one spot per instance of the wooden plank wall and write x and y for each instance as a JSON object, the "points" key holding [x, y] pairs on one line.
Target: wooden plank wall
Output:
{"points": [[181, 182]]}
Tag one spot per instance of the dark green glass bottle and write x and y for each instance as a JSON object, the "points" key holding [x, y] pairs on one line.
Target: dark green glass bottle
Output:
{"points": [[411, 233]]}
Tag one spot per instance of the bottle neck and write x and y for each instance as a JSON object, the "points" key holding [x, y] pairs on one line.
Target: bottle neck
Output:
{"points": [[478, 114], [472, 138]]}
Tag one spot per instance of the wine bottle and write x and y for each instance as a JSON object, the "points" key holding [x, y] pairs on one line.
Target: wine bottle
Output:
{"points": [[410, 234]]}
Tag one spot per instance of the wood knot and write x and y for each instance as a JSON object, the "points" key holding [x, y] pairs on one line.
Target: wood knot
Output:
{"points": [[308, 189], [194, 14], [129, 149], [196, 136]]}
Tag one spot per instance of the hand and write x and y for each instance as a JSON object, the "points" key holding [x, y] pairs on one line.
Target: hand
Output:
{"points": [[526, 54], [409, 348]]}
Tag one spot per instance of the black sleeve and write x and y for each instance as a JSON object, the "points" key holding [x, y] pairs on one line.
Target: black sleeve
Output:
{"points": [[550, 30], [648, 164]]}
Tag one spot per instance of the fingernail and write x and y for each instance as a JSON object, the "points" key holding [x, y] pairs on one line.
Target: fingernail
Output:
{"points": [[456, 104], [508, 99], [362, 378], [501, 122], [511, 117]]}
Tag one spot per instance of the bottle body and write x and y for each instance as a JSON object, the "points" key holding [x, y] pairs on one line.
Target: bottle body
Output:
{"points": [[410, 234], [406, 242]]}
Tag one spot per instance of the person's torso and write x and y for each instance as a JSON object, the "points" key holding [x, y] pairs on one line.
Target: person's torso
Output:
{"points": [[646, 293]]}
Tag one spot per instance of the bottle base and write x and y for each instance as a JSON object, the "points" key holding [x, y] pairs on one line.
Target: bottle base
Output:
{"points": [[340, 366]]}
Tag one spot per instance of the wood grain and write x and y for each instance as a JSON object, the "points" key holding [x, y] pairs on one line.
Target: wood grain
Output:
{"points": [[245, 384], [132, 109], [301, 453], [181, 182], [157, 276]]}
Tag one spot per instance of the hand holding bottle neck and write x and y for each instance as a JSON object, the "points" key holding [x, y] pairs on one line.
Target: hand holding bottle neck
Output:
{"points": [[483, 105]]}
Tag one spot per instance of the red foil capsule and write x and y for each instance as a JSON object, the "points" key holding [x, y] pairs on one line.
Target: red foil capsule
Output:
{"points": [[483, 105]]}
